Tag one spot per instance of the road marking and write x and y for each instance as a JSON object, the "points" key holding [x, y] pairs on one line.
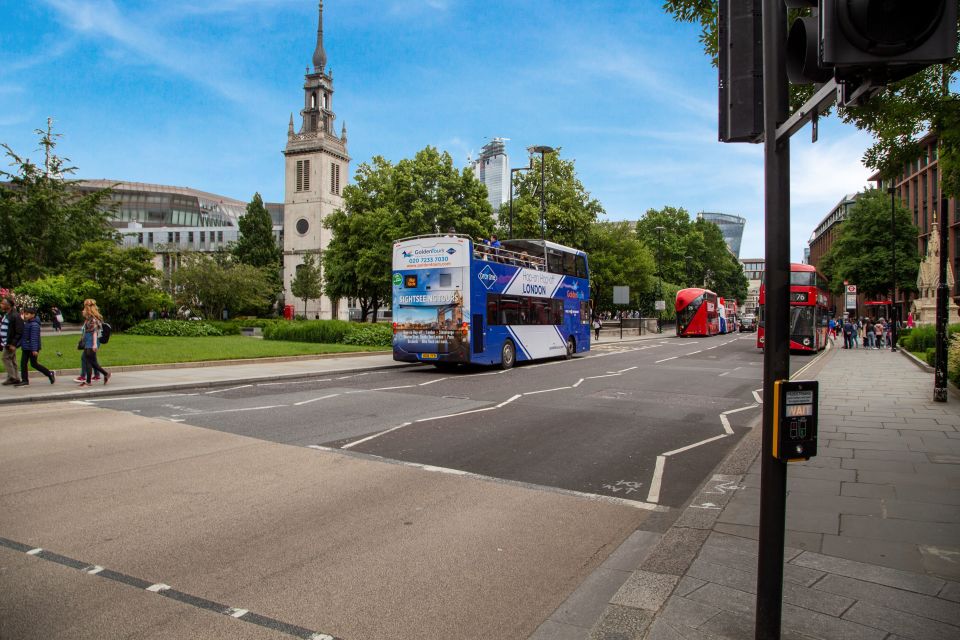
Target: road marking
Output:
{"points": [[271, 384], [665, 359], [653, 496], [577, 383], [82, 402], [165, 591], [725, 373], [811, 363], [749, 406], [423, 384], [402, 386], [506, 402], [757, 396], [531, 393], [376, 435], [607, 375], [123, 398], [243, 386], [693, 353], [695, 445], [627, 369], [303, 402], [205, 413], [726, 424]]}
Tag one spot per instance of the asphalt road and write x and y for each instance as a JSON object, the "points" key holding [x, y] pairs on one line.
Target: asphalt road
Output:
{"points": [[413, 503]]}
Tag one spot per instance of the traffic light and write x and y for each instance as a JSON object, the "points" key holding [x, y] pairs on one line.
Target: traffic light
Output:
{"points": [[865, 44], [740, 61]]}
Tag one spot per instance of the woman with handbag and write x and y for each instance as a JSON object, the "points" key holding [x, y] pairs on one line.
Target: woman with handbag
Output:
{"points": [[90, 341]]}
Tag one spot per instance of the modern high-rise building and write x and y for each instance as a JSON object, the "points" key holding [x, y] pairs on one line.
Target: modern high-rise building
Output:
{"points": [[317, 166], [492, 168], [731, 227]]}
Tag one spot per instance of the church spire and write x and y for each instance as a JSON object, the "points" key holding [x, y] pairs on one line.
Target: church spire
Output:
{"points": [[319, 55], [290, 127]]}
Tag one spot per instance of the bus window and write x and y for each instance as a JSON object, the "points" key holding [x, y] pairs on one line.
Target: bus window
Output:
{"points": [[557, 311], [581, 267], [509, 309], [569, 264], [555, 262], [446, 279], [584, 312], [803, 278]]}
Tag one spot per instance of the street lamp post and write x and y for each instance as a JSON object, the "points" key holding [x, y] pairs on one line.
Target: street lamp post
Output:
{"points": [[894, 315], [689, 260], [659, 277], [543, 150]]}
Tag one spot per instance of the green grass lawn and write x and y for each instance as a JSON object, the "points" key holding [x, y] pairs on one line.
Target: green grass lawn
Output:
{"points": [[129, 349]]}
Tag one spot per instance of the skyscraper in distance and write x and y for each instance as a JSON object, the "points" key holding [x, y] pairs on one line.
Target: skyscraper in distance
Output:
{"points": [[731, 227], [492, 168]]}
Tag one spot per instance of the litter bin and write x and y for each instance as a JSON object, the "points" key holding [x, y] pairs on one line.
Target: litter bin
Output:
{"points": [[288, 312]]}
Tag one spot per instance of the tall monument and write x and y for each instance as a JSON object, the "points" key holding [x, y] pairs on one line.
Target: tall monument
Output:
{"points": [[924, 307], [317, 166]]}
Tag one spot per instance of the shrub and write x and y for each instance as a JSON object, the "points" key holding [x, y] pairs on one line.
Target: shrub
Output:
{"points": [[371, 335], [924, 337], [323, 331], [930, 355], [953, 360], [175, 329]]}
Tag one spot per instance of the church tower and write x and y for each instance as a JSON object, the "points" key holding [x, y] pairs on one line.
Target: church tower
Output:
{"points": [[317, 166]]}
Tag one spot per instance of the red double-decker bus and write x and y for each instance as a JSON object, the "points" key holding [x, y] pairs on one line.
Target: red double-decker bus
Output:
{"points": [[697, 313], [808, 309]]}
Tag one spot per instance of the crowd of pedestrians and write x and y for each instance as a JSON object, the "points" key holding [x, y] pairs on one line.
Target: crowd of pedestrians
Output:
{"points": [[862, 333], [20, 331]]}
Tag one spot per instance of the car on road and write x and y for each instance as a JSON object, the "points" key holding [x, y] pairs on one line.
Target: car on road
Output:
{"points": [[749, 323]]}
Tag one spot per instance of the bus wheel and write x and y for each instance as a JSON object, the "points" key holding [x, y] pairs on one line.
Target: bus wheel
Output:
{"points": [[508, 355], [571, 348]]}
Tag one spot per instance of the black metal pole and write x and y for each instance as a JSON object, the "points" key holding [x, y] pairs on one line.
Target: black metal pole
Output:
{"points": [[943, 293], [894, 315], [543, 199], [776, 352], [510, 228], [659, 278]]}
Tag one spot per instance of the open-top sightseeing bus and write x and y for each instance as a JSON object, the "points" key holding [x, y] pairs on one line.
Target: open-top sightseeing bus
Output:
{"points": [[457, 302], [808, 308], [698, 312]]}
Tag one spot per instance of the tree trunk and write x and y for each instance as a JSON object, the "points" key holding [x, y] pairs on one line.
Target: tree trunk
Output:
{"points": [[304, 308], [364, 309], [376, 309]]}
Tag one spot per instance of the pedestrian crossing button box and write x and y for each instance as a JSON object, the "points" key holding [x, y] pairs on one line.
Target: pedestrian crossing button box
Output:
{"points": [[795, 420]]}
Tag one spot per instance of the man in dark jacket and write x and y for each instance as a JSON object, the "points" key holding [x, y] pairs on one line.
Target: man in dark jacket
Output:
{"points": [[30, 348], [11, 334]]}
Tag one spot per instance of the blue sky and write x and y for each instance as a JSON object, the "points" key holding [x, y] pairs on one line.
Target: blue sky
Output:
{"points": [[199, 94]]}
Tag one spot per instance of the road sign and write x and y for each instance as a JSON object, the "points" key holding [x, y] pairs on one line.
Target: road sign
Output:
{"points": [[852, 288], [660, 305], [621, 295]]}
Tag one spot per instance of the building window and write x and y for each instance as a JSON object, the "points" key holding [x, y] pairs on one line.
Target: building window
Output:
{"points": [[190, 237], [303, 175], [313, 100], [335, 178], [219, 236], [139, 238], [203, 237], [313, 122], [169, 237], [150, 239], [176, 237]]}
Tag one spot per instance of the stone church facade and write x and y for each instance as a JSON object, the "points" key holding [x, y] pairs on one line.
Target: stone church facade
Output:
{"points": [[317, 167]]}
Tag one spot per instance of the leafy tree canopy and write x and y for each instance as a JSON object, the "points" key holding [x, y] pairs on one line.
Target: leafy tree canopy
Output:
{"points": [[419, 195], [617, 258], [43, 217], [306, 284], [123, 281], [257, 246], [570, 211], [895, 117], [691, 253], [861, 252], [207, 286]]}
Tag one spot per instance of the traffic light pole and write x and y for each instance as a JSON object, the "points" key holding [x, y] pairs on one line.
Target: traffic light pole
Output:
{"points": [[943, 307], [776, 348]]}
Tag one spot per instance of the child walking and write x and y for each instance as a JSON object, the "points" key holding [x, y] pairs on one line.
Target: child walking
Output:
{"points": [[30, 349]]}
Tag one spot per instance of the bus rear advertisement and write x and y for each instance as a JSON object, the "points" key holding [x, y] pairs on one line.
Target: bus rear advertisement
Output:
{"points": [[455, 302]]}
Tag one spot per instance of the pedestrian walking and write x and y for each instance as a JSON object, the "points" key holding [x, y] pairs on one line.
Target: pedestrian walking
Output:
{"points": [[11, 335], [879, 329], [30, 349], [90, 341], [847, 334], [856, 334], [868, 334], [597, 325], [56, 319]]}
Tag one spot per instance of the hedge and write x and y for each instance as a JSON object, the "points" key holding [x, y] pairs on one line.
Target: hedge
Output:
{"points": [[175, 329], [370, 335], [331, 332], [923, 337]]}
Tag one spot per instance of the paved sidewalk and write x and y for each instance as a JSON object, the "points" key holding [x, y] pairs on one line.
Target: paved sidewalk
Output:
{"points": [[873, 526]]}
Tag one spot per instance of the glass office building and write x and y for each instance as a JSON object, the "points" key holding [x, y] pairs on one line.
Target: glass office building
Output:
{"points": [[492, 168], [731, 227]]}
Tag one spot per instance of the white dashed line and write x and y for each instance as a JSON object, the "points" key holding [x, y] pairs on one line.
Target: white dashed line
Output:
{"points": [[693, 353], [402, 386], [725, 373], [157, 588], [242, 386], [757, 396], [94, 570], [726, 424], [206, 413], [577, 383], [653, 495], [303, 402], [368, 438], [124, 398], [272, 384], [34, 552], [531, 393], [237, 613], [665, 359], [423, 384]]}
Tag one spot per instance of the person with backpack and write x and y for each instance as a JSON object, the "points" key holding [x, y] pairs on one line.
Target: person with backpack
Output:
{"points": [[30, 349], [90, 341]]}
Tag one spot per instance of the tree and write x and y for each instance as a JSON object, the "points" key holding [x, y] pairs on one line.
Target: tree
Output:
{"points": [[425, 194], [43, 217], [617, 258], [895, 117], [306, 283], [861, 252], [123, 281], [570, 209], [668, 247], [208, 286], [53, 291], [256, 245]]}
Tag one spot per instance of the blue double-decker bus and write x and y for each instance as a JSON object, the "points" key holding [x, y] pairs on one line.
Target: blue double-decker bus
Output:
{"points": [[459, 302]]}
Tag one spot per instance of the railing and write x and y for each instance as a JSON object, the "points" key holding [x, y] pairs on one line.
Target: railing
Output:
{"points": [[506, 256]]}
